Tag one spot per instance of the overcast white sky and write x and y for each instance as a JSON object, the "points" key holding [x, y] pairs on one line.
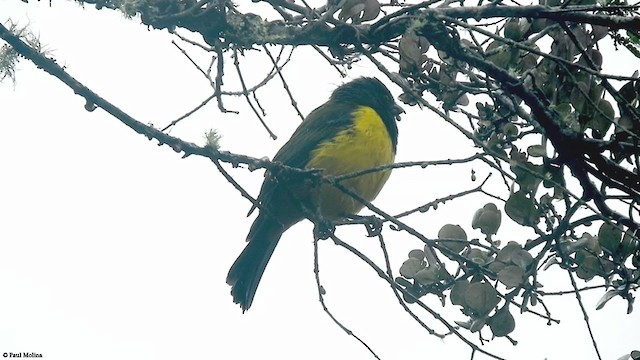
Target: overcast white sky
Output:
{"points": [[112, 247]]}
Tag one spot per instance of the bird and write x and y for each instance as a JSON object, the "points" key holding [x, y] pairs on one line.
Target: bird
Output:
{"points": [[354, 130]]}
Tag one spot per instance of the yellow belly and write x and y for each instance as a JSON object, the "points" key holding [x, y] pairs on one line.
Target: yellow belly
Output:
{"points": [[365, 145]]}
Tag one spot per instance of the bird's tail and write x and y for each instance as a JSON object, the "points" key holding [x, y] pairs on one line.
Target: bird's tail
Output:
{"points": [[246, 272]]}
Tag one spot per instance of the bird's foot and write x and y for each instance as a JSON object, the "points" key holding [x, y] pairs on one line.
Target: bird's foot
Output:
{"points": [[323, 229], [373, 224]]}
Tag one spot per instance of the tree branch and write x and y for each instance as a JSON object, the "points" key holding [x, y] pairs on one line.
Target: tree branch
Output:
{"points": [[250, 29]]}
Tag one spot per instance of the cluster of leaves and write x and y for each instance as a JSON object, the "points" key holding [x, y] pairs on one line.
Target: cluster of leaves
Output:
{"points": [[605, 255], [488, 276]]}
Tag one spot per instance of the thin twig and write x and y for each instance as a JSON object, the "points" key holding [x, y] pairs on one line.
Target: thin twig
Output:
{"points": [[235, 184], [406, 164], [329, 60], [434, 204], [396, 292], [584, 313], [219, 74], [316, 270], [294, 103], [194, 43], [189, 113], [184, 52], [245, 93], [551, 293]]}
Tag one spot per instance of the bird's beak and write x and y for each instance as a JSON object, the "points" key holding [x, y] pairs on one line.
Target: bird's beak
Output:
{"points": [[397, 110]]}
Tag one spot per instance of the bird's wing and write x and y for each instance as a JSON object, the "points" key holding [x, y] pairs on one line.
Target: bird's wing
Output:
{"points": [[319, 126]]}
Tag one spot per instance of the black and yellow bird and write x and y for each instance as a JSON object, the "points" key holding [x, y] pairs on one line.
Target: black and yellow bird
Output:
{"points": [[354, 130]]}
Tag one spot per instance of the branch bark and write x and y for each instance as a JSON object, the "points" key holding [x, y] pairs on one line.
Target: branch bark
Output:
{"points": [[214, 21]]}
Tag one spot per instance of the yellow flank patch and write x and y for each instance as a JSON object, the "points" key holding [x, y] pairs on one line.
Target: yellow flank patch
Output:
{"points": [[363, 146]]}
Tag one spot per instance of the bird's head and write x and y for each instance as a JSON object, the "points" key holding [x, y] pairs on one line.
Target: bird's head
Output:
{"points": [[371, 92]]}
